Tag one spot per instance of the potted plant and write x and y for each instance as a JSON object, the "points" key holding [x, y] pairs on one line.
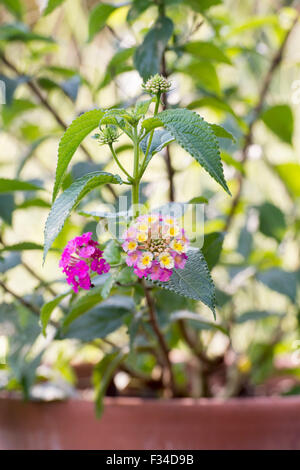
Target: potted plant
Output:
{"points": [[173, 361]]}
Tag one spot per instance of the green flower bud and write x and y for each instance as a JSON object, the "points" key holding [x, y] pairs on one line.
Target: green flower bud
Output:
{"points": [[156, 85], [108, 135]]}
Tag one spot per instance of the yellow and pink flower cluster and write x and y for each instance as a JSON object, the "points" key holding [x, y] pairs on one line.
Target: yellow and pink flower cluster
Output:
{"points": [[155, 245]]}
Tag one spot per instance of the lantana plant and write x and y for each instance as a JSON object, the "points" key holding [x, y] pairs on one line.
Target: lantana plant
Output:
{"points": [[154, 250]]}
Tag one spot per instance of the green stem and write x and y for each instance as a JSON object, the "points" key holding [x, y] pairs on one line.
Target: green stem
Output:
{"points": [[138, 170], [119, 163], [135, 195], [136, 177], [143, 165]]}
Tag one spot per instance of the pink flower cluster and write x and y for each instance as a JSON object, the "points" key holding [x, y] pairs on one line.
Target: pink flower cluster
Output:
{"points": [[80, 257], [155, 245]]}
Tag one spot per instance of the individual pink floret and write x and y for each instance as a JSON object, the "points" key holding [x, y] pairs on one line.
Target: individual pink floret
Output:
{"points": [[160, 274], [179, 260], [132, 258]]}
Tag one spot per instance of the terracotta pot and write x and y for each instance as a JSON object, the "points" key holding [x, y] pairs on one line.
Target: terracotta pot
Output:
{"points": [[130, 423]]}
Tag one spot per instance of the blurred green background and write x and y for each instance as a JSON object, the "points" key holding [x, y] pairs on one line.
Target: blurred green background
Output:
{"points": [[237, 64]]}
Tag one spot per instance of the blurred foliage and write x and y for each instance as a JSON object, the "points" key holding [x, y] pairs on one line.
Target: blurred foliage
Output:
{"points": [[236, 64]]}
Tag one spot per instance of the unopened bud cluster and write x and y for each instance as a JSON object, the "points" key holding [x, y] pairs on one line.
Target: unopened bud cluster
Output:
{"points": [[108, 135], [156, 84]]}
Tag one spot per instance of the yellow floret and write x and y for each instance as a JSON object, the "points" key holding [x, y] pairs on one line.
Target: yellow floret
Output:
{"points": [[132, 245], [173, 231], [178, 246], [142, 227], [145, 260], [170, 221], [152, 218], [141, 237], [166, 261]]}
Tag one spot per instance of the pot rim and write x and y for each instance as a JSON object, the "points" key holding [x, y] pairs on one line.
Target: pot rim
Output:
{"points": [[261, 401]]}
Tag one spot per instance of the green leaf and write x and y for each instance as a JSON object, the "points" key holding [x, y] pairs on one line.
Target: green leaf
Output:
{"points": [[212, 102], [22, 246], [65, 72], [20, 32], [9, 262], [253, 23], [71, 87], [108, 285], [197, 138], [134, 325], [204, 74], [14, 6], [290, 175], [101, 320], [142, 107], [34, 202], [117, 65], [7, 206], [11, 185], [284, 282], [254, 315], [201, 6], [71, 139], [272, 221], [103, 374], [112, 252], [83, 304], [82, 168], [31, 150], [11, 84], [245, 242], [151, 123], [22, 358], [222, 133], [68, 200], [160, 140], [148, 55], [47, 310], [120, 57], [137, 8], [126, 276], [98, 18], [167, 302], [18, 107], [47, 84], [222, 298], [51, 6], [280, 120], [105, 215], [197, 320], [206, 50], [194, 281], [198, 200], [117, 117], [212, 248]]}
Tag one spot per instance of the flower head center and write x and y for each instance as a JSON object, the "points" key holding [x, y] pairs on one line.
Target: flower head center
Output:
{"points": [[156, 245]]}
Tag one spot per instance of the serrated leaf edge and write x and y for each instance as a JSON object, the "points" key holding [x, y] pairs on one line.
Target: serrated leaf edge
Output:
{"points": [[168, 287], [75, 204], [214, 138], [65, 139]]}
